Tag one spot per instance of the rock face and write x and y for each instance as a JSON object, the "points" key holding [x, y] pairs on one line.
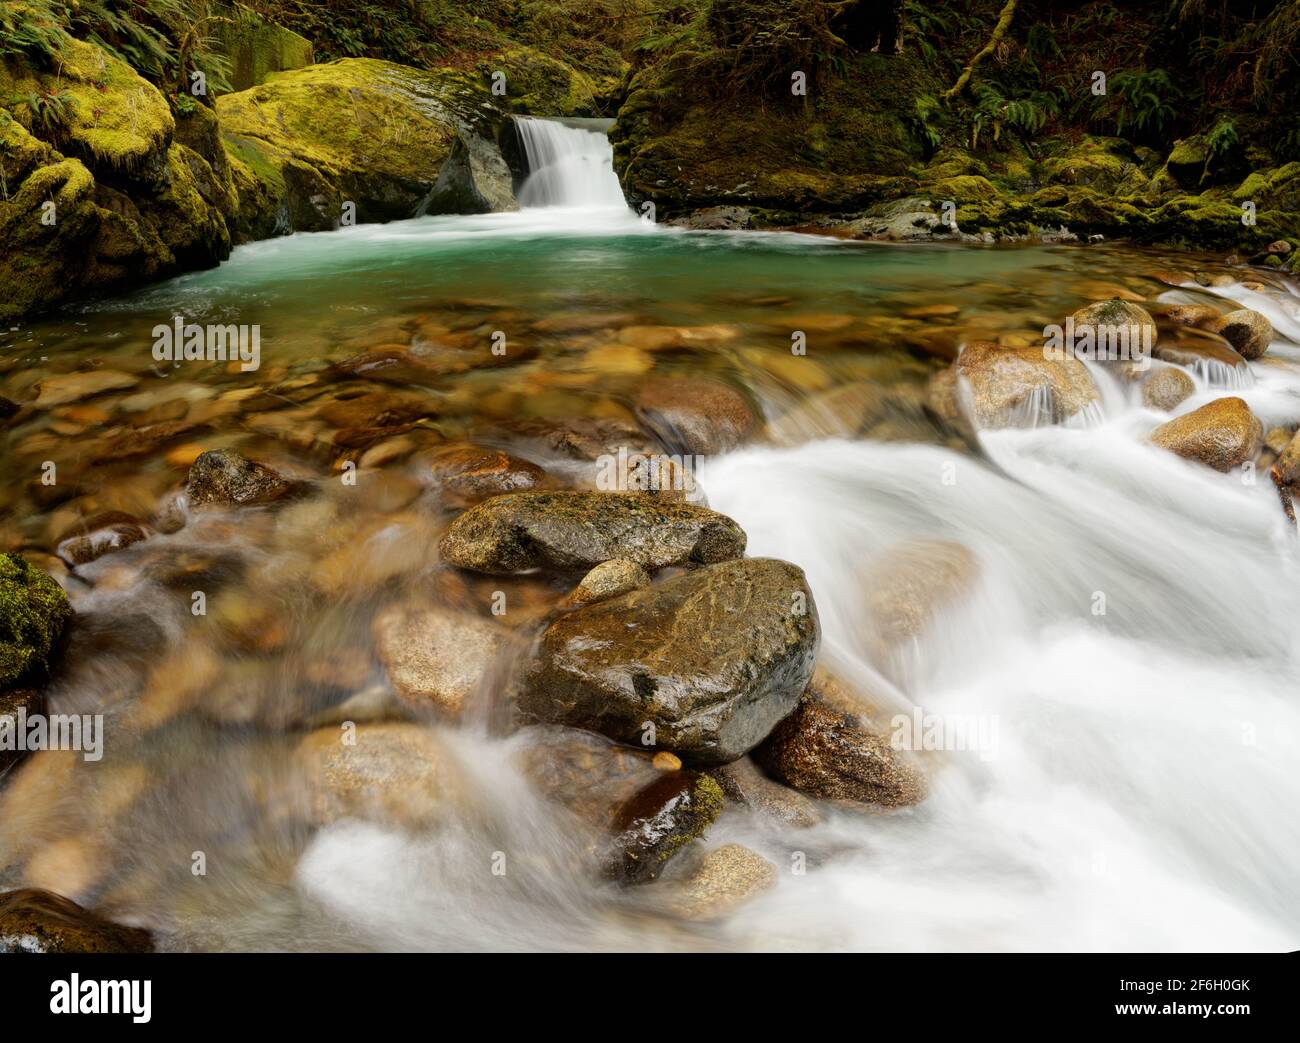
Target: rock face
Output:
{"points": [[642, 814], [33, 921], [474, 179], [831, 747], [33, 614], [220, 477], [572, 531], [712, 659], [1165, 388], [1223, 434], [1288, 461], [1019, 387], [692, 415], [1246, 330], [434, 656]]}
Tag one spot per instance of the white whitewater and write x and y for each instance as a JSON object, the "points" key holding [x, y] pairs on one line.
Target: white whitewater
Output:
{"points": [[1141, 791], [570, 164]]}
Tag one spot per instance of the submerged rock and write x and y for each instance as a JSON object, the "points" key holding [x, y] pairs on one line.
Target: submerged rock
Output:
{"points": [[643, 810], [94, 537], [35, 921], [224, 478], [913, 582], [609, 579], [744, 784], [569, 531], [1019, 387], [711, 659], [1223, 434], [1246, 330], [727, 878], [467, 473], [33, 614], [435, 657], [694, 415], [29, 701], [1166, 388], [73, 387], [832, 747]]}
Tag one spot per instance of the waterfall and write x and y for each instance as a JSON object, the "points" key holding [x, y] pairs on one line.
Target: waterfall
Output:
{"points": [[570, 164]]}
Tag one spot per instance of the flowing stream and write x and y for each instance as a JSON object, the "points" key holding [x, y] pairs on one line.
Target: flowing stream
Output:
{"points": [[1136, 786]]}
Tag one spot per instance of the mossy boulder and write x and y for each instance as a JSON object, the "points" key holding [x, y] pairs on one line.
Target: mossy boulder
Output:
{"points": [[359, 130], [33, 614], [1100, 163], [537, 84], [254, 47], [1187, 161]]}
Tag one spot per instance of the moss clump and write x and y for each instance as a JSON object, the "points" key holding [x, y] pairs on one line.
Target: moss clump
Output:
{"points": [[540, 85], [33, 612]]}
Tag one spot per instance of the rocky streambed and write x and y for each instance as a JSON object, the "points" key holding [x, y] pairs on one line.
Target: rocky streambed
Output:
{"points": [[611, 637]]}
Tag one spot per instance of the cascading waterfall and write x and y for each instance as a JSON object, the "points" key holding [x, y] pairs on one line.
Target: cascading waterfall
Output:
{"points": [[570, 164]]}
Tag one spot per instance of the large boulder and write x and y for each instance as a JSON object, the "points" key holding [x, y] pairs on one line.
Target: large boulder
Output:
{"points": [[33, 614], [712, 660], [1223, 434], [35, 921], [1021, 387], [575, 531], [360, 131], [835, 745], [1245, 329]]}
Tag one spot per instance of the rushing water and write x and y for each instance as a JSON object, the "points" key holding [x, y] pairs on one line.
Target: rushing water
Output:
{"points": [[1139, 793]]}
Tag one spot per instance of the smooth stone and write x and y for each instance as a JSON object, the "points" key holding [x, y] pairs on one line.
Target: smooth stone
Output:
{"points": [[35, 921], [571, 531], [713, 659], [609, 579], [1116, 314], [96, 536], [694, 415], [1249, 332], [1224, 434], [726, 879], [467, 474], [224, 478], [435, 657], [1166, 388], [72, 387], [832, 747], [1019, 387], [744, 784]]}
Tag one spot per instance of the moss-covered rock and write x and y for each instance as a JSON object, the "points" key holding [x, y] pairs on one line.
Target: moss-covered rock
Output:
{"points": [[254, 48], [33, 613], [539, 85], [356, 130]]}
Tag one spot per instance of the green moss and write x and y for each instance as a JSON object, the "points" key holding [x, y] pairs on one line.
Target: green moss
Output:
{"points": [[541, 85], [255, 48], [33, 613]]}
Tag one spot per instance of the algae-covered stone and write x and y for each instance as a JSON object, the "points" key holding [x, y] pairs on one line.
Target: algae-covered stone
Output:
{"points": [[572, 531], [35, 921], [33, 613], [1223, 434], [1020, 387], [660, 820], [711, 660]]}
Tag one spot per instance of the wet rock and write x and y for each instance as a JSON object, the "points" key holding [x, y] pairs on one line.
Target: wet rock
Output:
{"points": [[8, 408], [392, 772], [717, 219], [1222, 434], [1166, 387], [1019, 387], [832, 747], [642, 814], [225, 478], [1199, 350], [73, 387], [435, 657], [712, 659], [1108, 319], [1246, 330], [96, 536], [467, 473], [30, 702], [842, 412], [909, 585], [584, 438], [33, 614], [745, 785], [1189, 314], [1288, 462], [33, 921], [726, 879], [693, 415], [473, 179], [609, 579], [569, 531]]}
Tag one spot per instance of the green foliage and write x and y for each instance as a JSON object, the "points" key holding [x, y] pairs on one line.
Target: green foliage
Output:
{"points": [[50, 110], [34, 30], [764, 41], [993, 111], [1145, 106]]}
